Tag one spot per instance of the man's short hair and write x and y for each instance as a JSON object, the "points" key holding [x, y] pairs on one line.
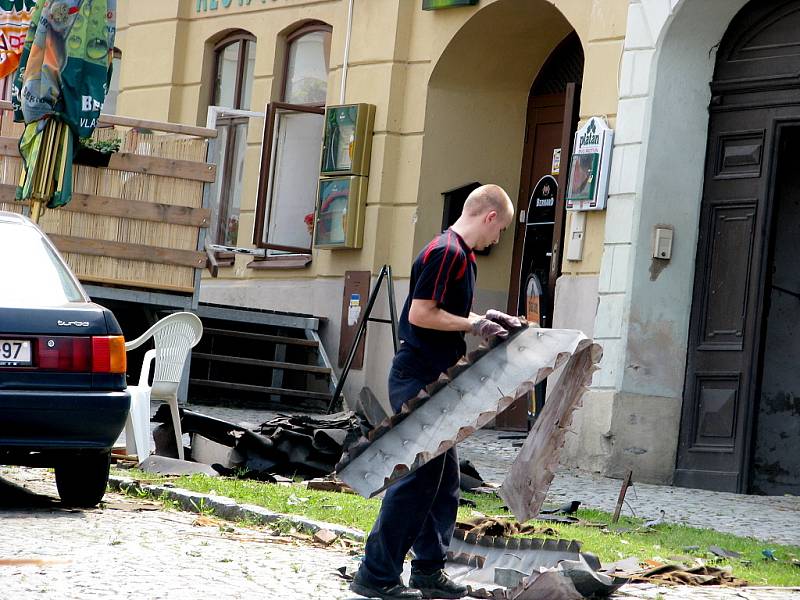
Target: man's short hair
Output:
{"points": [[487, 198]]}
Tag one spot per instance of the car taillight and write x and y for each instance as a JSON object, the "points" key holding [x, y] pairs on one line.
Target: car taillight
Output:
{"points": [[108, 354], [99, 354], [65, 354]]}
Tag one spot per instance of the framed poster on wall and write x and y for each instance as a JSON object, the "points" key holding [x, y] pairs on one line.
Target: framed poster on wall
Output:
{"points": [[587, 185], [341, 208], [347, 139]]}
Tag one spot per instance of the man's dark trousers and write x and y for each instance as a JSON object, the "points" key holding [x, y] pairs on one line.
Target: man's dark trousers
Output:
{"points": [[418, 512]]}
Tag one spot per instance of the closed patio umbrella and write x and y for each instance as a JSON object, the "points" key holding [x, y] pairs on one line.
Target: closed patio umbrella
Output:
{"points": [[59, 91]]}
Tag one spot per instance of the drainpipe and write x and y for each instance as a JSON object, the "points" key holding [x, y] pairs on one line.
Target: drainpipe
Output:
{"points": [[346, 50]]}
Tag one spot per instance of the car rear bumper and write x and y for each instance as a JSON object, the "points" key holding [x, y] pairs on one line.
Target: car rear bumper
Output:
{"points": [[43, 421]]}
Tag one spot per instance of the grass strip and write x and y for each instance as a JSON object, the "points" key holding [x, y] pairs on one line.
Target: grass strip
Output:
{"points": [[665, 543]]}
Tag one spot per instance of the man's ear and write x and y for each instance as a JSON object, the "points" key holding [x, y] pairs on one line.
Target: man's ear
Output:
{"points": [[491, 216]]}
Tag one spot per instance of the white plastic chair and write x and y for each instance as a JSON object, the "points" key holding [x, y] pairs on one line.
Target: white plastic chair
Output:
{"points": [[174, 336]]}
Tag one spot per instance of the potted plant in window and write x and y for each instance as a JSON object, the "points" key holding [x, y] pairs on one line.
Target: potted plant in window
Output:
{"points": [[96, 153]]}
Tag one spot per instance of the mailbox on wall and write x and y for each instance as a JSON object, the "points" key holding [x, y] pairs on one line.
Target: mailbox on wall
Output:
{"points": [[341, 208], [347, 140]]}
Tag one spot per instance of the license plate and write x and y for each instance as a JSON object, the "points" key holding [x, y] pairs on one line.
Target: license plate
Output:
{"points": [[15, 353]]}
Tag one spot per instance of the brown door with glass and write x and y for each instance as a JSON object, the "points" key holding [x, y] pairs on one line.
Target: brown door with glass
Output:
{"points": [[539, 231]]}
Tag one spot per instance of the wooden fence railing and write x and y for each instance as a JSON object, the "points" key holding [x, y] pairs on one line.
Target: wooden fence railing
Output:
{"points": [[138, 223]]}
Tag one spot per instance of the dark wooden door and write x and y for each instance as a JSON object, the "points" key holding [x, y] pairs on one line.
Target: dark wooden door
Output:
{"points": [[726, 305], [755, 94]]}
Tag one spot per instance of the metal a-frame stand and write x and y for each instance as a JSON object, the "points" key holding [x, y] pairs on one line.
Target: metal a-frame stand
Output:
{"points": [[385, 273]]}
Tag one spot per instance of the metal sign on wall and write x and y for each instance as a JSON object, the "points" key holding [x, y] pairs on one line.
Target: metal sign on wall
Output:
{"points": [[437, 4], [587, 187]]}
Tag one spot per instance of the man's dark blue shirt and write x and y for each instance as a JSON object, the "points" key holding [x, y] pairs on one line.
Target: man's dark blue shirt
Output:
{"points": [[444, 271]]}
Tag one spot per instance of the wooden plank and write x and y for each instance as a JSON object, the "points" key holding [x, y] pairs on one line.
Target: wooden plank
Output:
{"points": [[137, 163], [9, 146], [153, 254], [166, 167], [622, 492], [144, 124], [159, 126], [128, 209], [262, 337], [257, 362], [130, 283], [277, 374], [243, 387]]}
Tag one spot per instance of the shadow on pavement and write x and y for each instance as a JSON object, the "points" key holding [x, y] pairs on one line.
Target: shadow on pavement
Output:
{"points": [[16, 496]]}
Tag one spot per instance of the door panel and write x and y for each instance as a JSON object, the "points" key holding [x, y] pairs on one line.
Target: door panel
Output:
{"points": [[726, 309], [728, 272]]}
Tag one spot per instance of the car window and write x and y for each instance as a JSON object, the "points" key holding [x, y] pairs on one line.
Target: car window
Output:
{"points": [[30, 272]]}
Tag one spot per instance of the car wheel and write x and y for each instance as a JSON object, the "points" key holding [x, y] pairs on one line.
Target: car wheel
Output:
{"points": [[82, 481]]}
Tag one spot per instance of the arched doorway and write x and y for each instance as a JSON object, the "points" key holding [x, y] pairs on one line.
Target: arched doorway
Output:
{"points": [[741, 399], [476, 115], [552, 117]]}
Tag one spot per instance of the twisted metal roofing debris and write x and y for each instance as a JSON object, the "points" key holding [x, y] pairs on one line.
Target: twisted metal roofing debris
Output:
{"points": [[468, 397], [485, 554]]}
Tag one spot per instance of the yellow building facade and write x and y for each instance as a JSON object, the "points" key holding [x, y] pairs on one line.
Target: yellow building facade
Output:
{"points": [[461, 95]]}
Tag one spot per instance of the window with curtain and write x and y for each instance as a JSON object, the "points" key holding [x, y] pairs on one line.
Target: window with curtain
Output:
{"points": [[287, 190], [234, 65]]}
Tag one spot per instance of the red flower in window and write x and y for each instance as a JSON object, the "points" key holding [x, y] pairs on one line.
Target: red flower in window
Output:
{"points": [[309, 221]]}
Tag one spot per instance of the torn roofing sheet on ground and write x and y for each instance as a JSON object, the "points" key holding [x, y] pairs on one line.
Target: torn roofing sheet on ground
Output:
{"points": [[469, 397]]}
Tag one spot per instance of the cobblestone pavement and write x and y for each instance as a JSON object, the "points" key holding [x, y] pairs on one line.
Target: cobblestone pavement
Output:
{"points": [[133, 549], [147, 555], [770, 518]]}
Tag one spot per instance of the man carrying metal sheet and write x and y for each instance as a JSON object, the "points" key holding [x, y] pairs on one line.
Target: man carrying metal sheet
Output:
{"points": [[419, 512]]}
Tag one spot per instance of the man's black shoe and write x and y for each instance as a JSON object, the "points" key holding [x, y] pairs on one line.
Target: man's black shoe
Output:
{"points": [[392, 591], [437, 585]]}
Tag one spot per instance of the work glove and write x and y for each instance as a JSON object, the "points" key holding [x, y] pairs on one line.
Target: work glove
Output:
{"points": [[507, 321], [488, 330]]}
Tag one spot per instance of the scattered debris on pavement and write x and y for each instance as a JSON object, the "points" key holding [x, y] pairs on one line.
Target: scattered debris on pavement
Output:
{"points": [[723, 553], [138, 506], [495, 527], [570, 508], [286, 446], [680, 575], [325, 537]]}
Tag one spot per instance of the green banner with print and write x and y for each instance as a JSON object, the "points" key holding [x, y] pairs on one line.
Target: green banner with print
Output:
{"points": [[437, 4]]}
